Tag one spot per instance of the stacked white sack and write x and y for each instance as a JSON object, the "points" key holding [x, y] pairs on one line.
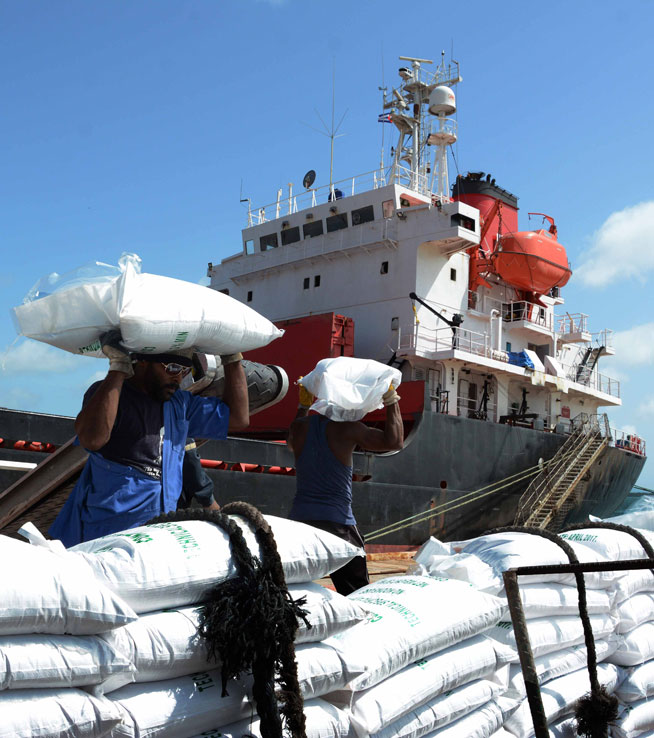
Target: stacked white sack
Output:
{"points": [[154, 314], [634, 609], [347, 388], [52, 610], [550, 607], [423, 663], [177, 689]]}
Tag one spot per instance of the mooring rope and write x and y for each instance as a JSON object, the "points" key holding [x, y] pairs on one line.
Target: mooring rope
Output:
{"points": [[249, 621]]}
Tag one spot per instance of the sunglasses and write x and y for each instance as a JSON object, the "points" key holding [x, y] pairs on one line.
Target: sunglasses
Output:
{"points": [[175, 370]]}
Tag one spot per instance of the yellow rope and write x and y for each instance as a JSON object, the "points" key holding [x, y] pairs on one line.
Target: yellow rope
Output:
{"points": [[448, 506]]}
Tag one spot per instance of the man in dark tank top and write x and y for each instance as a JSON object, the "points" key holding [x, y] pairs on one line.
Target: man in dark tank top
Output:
{"points": [[323, 461]]}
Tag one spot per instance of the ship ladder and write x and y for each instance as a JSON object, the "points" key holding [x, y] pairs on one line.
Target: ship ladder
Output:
{"points": [[550, 495]]}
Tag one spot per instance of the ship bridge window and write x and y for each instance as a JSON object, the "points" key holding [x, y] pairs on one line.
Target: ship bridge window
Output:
{"points": [[307, 283], [336, 222], [225, 291], [249, 246], [312, 228], [268, 242], [249, 295], [458, 219], [363, 215], [290, 235], [384, 268]]}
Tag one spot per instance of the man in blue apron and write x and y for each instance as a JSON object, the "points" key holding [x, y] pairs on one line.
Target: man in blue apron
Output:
{"points": [[323, 466], [135, 423]]}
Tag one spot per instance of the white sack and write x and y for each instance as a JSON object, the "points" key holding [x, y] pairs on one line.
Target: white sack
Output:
{"points": [[566, 728], [637, 580], [178, 708], [55, 713], [328, 612], [558, 663], [441, 711], [635, 647], [559, 697], [549, 634], [52, 661], [643, 520], [638, 683], [400, 693], [45, 592], [322, 721], [411, 617], [165, 645], [502, 551], [635, 611], [634, 719], [547, 599], [611, 545], [465, 567], [482, 723], [164, 565], [348, 388], [155, 314]]}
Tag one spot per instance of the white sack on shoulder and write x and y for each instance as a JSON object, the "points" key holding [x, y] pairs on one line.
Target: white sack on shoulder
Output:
{"points": [[154, 314], [46, 592], [27, 713], [169, 564], [347, 388], [408, 621]]}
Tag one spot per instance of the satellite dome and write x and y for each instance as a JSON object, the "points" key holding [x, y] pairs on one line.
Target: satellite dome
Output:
{"points": [[442, 101]]}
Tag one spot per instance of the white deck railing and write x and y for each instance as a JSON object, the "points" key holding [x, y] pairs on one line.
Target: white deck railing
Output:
{"points": [[628, 441], [291, 203]]}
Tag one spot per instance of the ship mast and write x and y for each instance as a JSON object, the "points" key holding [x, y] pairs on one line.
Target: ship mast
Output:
{"points": [[422, 97]]}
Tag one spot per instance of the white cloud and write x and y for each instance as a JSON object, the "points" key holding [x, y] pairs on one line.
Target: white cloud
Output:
{"points": [[647, 407], [31, 357], [635, 347], [623, 247], [18, 398]]}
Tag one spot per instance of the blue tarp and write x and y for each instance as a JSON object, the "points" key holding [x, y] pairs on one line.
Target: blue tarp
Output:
{"points": [[520, 358]]}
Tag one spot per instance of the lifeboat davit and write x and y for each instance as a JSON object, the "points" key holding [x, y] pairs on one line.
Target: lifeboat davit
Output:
{"points": [[533, 261]]}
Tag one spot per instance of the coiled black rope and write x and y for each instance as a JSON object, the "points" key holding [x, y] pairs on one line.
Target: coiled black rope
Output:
{"points": [[589, 710], [595, 711], [249, 622]]}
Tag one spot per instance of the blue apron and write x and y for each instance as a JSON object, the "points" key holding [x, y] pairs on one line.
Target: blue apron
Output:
{"points": [[109, 497]]}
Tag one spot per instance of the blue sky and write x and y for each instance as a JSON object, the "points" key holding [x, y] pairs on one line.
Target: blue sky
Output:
{"points": [[135, 126]]}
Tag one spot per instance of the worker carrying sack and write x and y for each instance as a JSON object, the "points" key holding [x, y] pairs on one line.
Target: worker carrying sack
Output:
{"points": [[348, 388], [154, 314]]}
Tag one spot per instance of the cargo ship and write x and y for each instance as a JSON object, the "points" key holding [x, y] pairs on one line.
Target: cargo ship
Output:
{"points": [[502, 396]]}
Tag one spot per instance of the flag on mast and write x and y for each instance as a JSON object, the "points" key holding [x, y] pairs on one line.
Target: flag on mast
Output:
{"points": [[384, 118]]}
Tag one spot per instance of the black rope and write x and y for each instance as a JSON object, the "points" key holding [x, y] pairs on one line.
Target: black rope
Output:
{"points": [[249, 622], [596, 710]]}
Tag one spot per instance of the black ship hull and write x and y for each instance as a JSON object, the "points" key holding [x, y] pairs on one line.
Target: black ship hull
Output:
{"points": [[459, 476]]}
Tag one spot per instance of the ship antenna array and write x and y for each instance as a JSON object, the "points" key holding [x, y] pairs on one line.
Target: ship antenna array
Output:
{"points": [[330, 132], [421, 98]]}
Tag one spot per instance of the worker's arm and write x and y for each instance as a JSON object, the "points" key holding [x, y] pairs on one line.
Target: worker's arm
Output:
{"points": [[305, 400], [391, 438], [235, 394], [96, 420]]}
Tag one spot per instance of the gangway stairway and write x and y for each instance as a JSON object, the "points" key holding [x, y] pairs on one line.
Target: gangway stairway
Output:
{"points": [[550, 496]]}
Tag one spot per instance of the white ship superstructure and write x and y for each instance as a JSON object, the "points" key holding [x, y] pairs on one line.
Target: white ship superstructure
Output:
{"points": [[360, 247]]}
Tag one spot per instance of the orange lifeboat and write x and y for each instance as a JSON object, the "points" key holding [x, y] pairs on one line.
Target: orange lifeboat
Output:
{"points": [[533, 261]]}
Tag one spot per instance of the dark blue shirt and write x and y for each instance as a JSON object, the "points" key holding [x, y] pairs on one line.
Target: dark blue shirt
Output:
{"points": [[324, 484]]}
